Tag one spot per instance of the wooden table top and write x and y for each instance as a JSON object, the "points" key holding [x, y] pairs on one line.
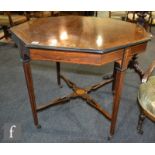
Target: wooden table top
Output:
{"points": [[78, 33]]}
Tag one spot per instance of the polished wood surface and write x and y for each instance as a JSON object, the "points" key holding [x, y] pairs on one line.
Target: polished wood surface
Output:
{"points": [[89, 34]]}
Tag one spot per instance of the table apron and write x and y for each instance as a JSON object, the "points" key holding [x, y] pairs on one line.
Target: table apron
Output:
{"points": [[84, 58]]}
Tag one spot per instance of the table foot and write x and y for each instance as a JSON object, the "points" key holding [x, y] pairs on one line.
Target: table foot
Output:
{"points": [[60, 86], [15, 45], [109, 137], [38, 126], [140, 131]]}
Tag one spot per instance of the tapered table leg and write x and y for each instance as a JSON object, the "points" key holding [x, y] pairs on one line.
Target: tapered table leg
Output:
{"points": [[29, 82], [116, 100], [120, 68]]}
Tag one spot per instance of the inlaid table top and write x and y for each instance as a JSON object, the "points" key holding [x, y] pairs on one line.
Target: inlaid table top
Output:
{"points": [[77, 33]]}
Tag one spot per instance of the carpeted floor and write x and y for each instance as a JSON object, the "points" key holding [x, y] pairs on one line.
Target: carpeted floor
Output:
{"points": [[74, 121]]}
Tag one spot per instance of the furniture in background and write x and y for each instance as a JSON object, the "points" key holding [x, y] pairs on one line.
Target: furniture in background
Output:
{"points": [[121, 15], [10, 19], [137, 17], [80, 13], [40, 14], [140, 17], [80, 40], [146, 97], [152, 19]]}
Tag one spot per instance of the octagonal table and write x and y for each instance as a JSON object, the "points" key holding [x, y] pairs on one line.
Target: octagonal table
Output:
{"points": [[80, 40]]}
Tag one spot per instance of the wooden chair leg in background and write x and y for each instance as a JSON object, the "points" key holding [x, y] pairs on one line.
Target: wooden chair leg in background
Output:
{"points": [[6, 32], [133, 64], [140, 122]]}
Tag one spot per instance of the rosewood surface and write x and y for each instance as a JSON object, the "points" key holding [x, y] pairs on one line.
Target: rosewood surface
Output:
{"points": [[76, 33]]}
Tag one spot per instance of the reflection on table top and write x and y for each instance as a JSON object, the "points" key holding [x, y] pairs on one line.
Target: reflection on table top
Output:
{"points": [[79, 33]]}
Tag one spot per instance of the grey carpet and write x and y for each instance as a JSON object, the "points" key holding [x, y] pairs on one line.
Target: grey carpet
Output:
{"points": [[74, 121]]}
